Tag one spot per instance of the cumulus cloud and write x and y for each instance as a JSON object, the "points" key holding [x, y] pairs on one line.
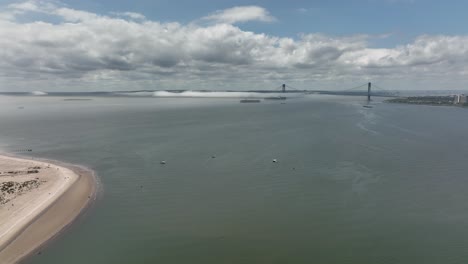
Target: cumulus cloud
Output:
{"points": [[241, 14], [125, 51]]}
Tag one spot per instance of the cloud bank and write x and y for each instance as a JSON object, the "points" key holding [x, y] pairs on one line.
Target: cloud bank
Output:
{"points": [[70, 49], [216, 94]]}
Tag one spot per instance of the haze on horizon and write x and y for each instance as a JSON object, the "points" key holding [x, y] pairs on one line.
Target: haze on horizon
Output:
{"points": [[105, 45]]}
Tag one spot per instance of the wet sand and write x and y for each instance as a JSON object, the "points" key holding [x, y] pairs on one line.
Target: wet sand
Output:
{"points": [[38, 199]]}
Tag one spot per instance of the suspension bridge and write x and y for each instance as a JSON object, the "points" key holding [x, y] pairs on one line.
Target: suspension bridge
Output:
{"points": [[366, 89]]}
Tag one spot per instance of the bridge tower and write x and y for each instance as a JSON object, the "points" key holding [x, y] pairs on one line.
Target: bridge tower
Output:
{"points": [[284, 88], [369, 85]]}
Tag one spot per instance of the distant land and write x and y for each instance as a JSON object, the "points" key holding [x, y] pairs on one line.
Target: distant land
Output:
{"points": [[427, 100], [127, 93], [400, 95]]}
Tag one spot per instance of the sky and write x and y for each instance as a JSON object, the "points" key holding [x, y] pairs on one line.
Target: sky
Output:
{"points": [[110, 45]]}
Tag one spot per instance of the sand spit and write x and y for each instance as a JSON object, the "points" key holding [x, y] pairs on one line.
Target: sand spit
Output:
{"points": [[38, 199]]}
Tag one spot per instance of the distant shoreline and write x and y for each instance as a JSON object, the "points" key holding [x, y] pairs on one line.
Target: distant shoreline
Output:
{"points": [[59, 194], [426, 100]]}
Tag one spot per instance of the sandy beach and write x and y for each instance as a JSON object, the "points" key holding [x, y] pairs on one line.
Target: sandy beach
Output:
{"points": [[38, 199]]}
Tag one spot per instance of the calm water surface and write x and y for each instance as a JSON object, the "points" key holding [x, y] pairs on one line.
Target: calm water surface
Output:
{"points": [[352, 185]]}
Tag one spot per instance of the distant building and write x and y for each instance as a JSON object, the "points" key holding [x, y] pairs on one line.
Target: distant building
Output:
{"points": [[460, 99]]}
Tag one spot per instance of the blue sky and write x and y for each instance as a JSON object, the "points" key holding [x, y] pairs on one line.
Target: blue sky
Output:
{"points": [[232, 44]]}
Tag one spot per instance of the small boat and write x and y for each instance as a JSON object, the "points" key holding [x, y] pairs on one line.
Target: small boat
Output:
{"points": [[275, 98], [275, 160], [250, 101], [163, 162], [367, 106]]}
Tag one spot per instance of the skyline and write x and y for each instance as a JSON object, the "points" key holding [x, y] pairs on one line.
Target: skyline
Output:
{"points": [[239, 45]]}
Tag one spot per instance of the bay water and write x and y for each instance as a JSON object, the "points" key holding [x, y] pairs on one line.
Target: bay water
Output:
{"points": [[386, 184]]}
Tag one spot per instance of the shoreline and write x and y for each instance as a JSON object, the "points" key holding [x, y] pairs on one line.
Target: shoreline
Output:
{"points": [[36, 229], [427, 100]]}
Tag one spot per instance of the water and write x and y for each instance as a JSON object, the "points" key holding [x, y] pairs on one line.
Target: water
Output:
{"points": [[352, 185]]}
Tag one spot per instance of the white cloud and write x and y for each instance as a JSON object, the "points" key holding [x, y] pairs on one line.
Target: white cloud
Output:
{"points": [[25, 6], [102, 52], [241, 14], [302, 10], [132, 15]]}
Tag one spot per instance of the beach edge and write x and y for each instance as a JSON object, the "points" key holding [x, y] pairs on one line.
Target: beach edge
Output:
{"points": [[57, 217]]}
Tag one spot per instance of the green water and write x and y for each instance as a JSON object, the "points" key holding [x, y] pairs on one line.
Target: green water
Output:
{"points": [[352, 185]]}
